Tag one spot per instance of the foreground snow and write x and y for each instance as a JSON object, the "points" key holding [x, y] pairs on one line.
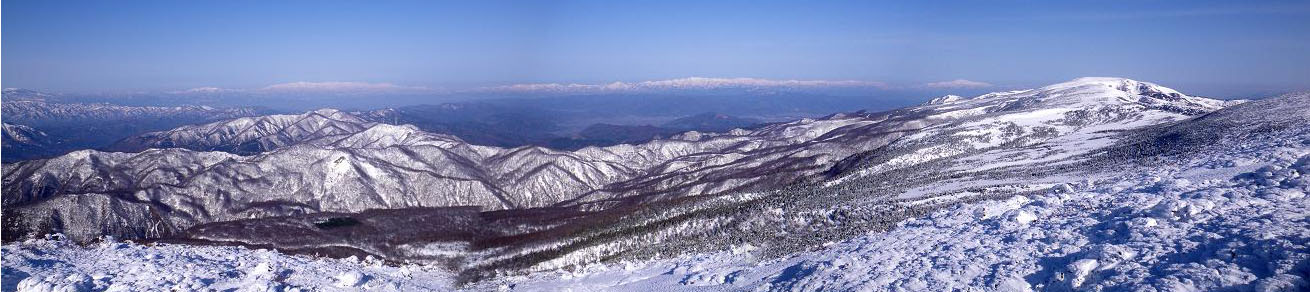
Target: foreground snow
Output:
{"points": [[55, 264], [1175, 231], [1228, 222]]}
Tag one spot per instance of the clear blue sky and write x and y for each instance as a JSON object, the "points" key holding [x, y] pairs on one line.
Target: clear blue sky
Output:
{"points": [[1215, 47]]}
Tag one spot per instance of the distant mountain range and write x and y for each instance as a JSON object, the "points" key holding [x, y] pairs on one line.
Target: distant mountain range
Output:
{"points": [[69, 126], [73, 126], [724, 95]]}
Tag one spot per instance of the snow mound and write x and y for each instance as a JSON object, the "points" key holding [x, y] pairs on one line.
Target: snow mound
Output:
{"points": [[350, 279]]}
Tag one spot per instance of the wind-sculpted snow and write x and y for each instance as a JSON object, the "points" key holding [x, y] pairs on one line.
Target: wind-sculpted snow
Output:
{"points": [[331, 161]]}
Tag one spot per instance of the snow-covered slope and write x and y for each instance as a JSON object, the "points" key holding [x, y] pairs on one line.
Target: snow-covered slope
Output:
{"points": [[249, 135], [23, 142], [1166, 230], [328, 161], [1214, 203], [23, 136]]}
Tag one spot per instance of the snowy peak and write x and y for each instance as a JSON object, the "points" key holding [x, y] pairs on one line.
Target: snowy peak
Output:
{"points": [[1127, 91], [1093, 89], [1092, 93], [388, 135], [21, 133], [22, 142], [1122, 84], [949, 98]]}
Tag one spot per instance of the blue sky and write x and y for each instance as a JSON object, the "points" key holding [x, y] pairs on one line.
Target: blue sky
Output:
{"points": [[1220, 48]]}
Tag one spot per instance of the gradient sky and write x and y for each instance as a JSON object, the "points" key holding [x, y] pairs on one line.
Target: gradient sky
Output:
{"points": [[1219, 48]]}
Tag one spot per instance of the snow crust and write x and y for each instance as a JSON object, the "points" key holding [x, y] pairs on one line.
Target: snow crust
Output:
{"points": [[55, 264]]}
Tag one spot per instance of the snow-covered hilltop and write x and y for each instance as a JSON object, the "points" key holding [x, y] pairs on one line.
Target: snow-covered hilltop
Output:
{"points": [[1053, 171]]}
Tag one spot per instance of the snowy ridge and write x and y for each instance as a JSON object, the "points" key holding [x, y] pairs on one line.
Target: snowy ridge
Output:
{"points": [[251, 134], [20, 141], [20, 134], [29, 111], [385, 166]]}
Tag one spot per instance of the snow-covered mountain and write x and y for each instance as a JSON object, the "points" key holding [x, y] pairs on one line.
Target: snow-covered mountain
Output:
{"points": [[330, 161], [1093, 184]]}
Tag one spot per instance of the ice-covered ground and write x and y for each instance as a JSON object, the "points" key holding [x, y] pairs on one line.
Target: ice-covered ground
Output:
{"points": [[55, 264]]}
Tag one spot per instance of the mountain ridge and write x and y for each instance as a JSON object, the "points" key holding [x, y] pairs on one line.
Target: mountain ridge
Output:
{"points": [[377, 169]]}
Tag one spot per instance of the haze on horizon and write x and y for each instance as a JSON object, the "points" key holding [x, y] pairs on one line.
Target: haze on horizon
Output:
{"points": [[1212, 48]]}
